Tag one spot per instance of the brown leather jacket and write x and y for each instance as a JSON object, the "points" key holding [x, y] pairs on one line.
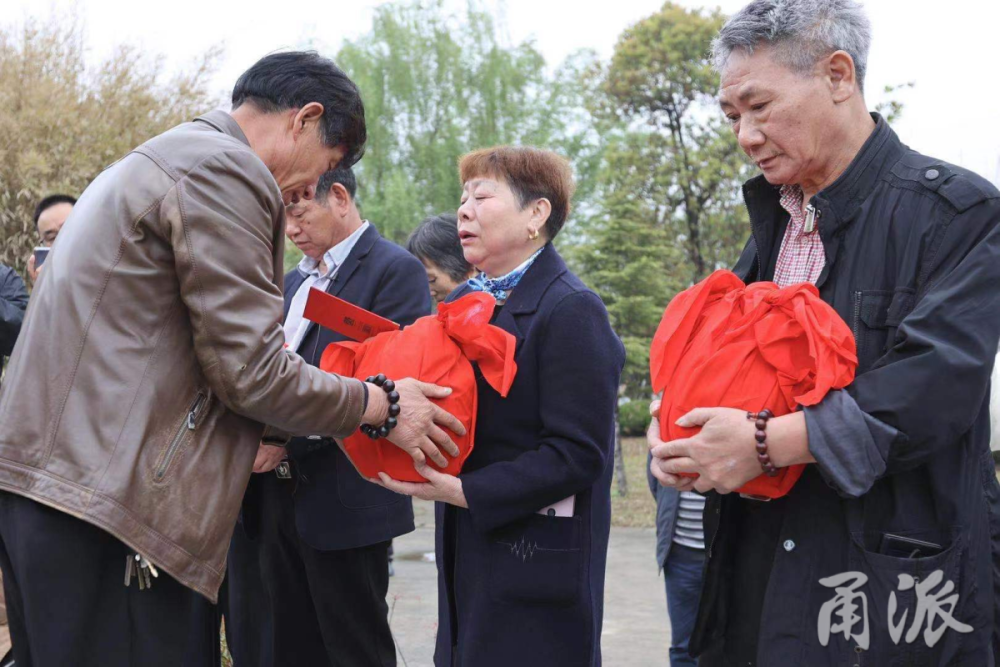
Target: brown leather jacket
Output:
{"points": [[152, 353]]}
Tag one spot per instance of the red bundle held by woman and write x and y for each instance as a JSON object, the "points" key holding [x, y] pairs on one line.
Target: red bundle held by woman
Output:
{"points": [[438, 349], [724, 344]]}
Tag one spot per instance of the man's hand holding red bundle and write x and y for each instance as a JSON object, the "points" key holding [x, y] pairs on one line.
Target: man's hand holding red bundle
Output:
{"points": [[420, 431]]}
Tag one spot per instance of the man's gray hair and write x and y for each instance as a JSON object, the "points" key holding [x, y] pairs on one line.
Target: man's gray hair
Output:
{"points": [[800, 32]]}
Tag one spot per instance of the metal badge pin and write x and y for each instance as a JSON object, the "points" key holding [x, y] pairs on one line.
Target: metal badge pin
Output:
{"points": [[810, 224]]}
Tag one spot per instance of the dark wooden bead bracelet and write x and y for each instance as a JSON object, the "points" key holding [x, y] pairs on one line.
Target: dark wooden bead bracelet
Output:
{"points": [[760, 421], [389, 387]]}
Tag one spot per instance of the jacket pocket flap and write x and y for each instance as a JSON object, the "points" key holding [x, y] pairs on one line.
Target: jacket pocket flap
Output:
{"points": [[901, 306], [884, 308], [874, 308]]}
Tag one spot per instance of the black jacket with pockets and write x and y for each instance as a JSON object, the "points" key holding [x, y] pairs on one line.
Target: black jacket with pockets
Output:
{"points": [[913, 266]]}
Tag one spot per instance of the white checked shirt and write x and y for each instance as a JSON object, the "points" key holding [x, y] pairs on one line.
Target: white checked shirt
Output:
{"points": [[801, 258], [296, 325]]}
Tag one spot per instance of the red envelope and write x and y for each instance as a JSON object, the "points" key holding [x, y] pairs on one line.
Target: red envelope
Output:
{"points": [[438, 349], [722, 343], [344, 317]]}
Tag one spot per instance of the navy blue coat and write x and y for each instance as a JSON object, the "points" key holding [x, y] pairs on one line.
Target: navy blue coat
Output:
{"points": [[515, 587], [335, 508], [668, 507]]}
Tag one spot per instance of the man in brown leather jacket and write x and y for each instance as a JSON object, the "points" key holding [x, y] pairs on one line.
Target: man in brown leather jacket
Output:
{"points": [[152, 357]]}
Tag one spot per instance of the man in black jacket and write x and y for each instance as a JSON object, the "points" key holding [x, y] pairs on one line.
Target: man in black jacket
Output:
{"points": [[887, 550], [323, 531], [13, 303]]}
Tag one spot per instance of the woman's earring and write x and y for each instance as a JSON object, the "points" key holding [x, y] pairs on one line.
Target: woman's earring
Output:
{"points": [[533, 234]]}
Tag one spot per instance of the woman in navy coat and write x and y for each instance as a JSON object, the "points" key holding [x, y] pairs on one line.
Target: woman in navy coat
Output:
{"points": [[522, 533]]}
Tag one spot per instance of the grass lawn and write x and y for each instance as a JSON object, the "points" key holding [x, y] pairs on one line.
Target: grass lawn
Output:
{"points": [[636, 509]]}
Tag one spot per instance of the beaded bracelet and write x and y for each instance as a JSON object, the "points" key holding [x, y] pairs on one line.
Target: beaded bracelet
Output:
{"points": [[389, 387], [760, 419]]}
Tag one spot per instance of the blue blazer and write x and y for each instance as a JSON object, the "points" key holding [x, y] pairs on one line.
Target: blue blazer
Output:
{"points": [[529, 589], [335, 508]]}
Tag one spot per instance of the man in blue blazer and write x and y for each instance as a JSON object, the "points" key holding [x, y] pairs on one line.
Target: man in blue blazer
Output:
{"points": [[323, 532]]}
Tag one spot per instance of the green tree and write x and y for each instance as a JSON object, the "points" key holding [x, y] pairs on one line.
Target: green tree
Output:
{"points": [[662, 83], [669, 209], [62, 122], [891, 107], [630, 258], [437, 85], [625, 263], [667, 193]]}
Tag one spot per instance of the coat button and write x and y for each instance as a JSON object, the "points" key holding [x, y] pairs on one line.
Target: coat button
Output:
{"points": [[931, 174], [789, 545]]}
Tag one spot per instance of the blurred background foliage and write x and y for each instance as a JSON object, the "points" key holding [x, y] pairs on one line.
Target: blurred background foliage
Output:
{"points": [[658, 203]]}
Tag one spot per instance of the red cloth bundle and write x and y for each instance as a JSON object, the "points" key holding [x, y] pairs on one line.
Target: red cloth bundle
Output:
{"points": [[438, 349], [724, 344]]}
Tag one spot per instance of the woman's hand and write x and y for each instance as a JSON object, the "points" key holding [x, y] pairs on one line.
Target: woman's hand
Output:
{"points": [[439, 487]]}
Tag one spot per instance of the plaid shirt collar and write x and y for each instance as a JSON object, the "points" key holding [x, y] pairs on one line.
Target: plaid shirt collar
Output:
{"points": [[802, 257]]}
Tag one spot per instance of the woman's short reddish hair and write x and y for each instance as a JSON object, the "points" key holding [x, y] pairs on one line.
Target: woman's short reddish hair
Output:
{"points": [[531, 173]]}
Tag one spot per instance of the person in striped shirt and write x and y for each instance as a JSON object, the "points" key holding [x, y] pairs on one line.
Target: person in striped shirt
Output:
{"points": [[680, 554]]}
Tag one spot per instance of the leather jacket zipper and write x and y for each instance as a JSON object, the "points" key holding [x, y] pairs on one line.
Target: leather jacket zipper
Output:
{"points": [[190, 423]]}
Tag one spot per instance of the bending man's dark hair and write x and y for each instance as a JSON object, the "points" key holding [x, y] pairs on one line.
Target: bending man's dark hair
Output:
{"points": [[339, 175], [293, 79], [436, 241], [51, 201]]}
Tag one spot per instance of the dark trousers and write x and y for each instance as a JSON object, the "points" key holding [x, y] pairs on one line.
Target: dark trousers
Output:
{"points": [[327, 607], [244, 605], [68, 605], [682, 573]]}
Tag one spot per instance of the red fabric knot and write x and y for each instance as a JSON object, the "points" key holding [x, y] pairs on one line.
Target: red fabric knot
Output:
{"points": [[723, 343], [438, 349]]}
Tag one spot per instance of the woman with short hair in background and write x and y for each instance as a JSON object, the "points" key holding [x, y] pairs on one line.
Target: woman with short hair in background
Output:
{"points": [[435, 243]]}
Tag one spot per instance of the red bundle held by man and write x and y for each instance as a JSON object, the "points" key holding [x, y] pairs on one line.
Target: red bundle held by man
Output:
{"points": [[725, 344], [438, 349]]}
